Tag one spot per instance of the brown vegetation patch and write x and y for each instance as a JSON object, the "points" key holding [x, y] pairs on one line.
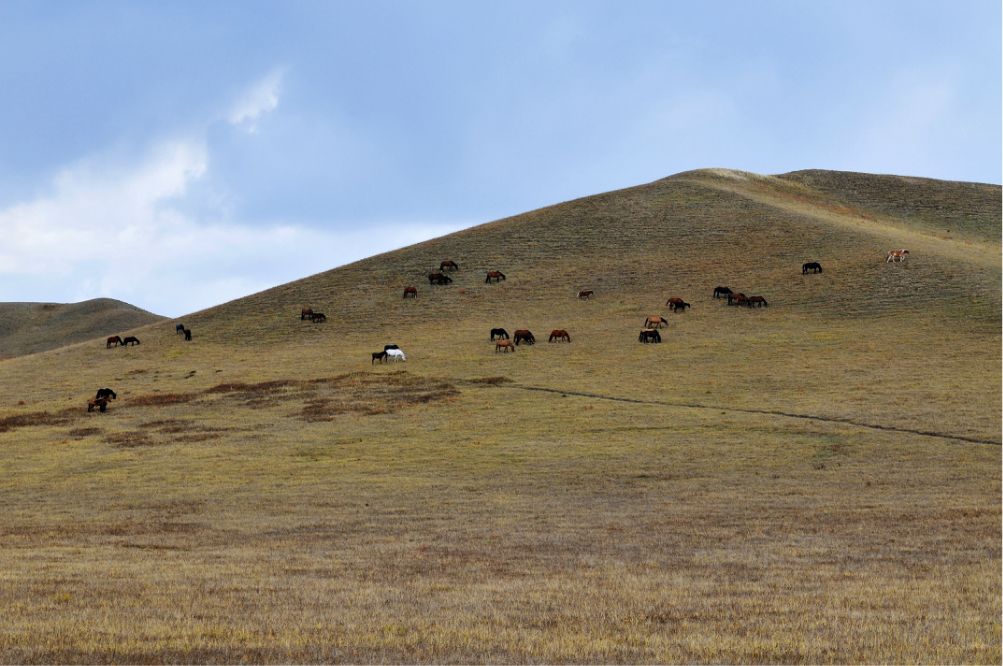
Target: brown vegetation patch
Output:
{"points": [[491, 381], [241, 387], [129, 439], [160, 399], [370, 394], [84, 432], [32, 419]]}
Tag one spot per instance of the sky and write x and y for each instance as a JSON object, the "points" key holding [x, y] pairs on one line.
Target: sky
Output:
{"points": [[177, 155]]}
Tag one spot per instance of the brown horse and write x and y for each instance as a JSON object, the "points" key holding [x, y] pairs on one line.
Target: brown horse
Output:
{"points": [[756, 301], [130, 340], [448, 265], [439, 278], [736, 299], [496, 276], [113, 341], [380, 356], [100, 403], [410, 292], [306, 313], [559, 335], [318, 317], [504, 345], [897, 255], [586, 293], [655, 321], [524, 335], [649, 335], [675, 303]]}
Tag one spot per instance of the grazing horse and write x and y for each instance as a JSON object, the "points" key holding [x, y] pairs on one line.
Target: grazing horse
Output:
{"points": [[559, 335], [439, 278], [586, 293], [100, 403], [504, 345], [188, 335], [179, 329], [649, 335], [811, 267], [523, 335], [655, 321], [675, 303], [448, 265], [306, 313], [757, 301], [105, 393], [318, 317], [380, 356], [897, 255], [721, 291], [410, 292], [113, 341], [395, 355], [501, 333], [736, 299], [497, 276], [130, 340]]}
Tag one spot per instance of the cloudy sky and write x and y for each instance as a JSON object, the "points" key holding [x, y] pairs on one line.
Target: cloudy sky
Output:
{"points": [[147, 147]]}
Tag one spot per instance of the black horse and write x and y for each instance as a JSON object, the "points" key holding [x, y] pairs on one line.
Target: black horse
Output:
{"points": [[179, 329], [318, 317], [811, 267], [188, 335], [105, 393], [500, 333], [131, 340], [389, 347], [721, 291], [649, 335], [380, 356]]}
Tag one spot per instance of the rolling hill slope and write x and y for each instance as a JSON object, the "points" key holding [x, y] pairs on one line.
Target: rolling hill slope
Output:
{"points": [[29, 328], [812, 481]]}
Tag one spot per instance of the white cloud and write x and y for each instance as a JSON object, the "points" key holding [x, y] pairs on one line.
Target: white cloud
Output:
{"points": [[259, 99]]}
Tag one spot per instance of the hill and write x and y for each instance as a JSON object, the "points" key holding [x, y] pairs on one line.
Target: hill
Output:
{"points": [[29, 328], [812, 481]]}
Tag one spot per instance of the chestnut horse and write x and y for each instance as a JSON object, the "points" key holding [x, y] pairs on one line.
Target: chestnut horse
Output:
{"points": [[497, 276], [448, 265], [410, 292], [113, 341], [897, 255], [655, 321], [559, 335], [504, 345], [736, 299]]}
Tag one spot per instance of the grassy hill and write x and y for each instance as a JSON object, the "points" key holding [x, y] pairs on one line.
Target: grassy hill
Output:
{"points": [[29, 328], [812, 481]]}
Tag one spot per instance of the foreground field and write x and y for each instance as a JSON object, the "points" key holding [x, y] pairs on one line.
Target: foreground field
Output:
{"points": [[816, 481]]}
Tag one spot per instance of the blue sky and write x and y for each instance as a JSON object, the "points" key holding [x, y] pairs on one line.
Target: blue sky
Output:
{"points": [[146, 147]]}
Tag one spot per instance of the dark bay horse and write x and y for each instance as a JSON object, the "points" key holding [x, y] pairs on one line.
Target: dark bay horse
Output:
{"points": [[756, 301], [105, 393], [113, 341], [811, 267], [100, 403], [448, 265], [306, 313], [585, 294], [494, 276], [559, 335], [649, 335], [675, 303], [188, 335], [380, 356], [439, 278], [736, 299], [523, 335], [721, 291], [318, 317], [130, 340], [501, 333]]}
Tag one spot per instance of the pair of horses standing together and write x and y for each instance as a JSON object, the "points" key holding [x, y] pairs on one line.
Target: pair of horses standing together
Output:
{"points": [[748, 301], [390, 352], [116, 341], [181, 330], [315, 317]]}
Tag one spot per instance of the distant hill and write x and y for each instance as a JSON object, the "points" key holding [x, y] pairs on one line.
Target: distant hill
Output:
{"points": [[28, 328]]}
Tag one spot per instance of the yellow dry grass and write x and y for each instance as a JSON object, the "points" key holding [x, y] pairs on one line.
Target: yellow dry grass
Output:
{"points": [[816, 481]]}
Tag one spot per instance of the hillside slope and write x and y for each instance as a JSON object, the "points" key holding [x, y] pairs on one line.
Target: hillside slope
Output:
{"points": [[812, 481], [29, 328]]}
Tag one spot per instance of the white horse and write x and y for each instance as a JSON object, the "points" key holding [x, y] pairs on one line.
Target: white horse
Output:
{"points": [[395, 355]]}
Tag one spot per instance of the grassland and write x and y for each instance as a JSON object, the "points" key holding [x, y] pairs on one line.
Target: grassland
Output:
{"points": [[816, 481]]}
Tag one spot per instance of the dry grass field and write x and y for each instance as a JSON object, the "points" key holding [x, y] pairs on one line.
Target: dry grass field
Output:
{"points": [[813, 481]]}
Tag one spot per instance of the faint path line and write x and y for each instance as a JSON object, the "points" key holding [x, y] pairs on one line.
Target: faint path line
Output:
{"points": [[743, 410]]}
